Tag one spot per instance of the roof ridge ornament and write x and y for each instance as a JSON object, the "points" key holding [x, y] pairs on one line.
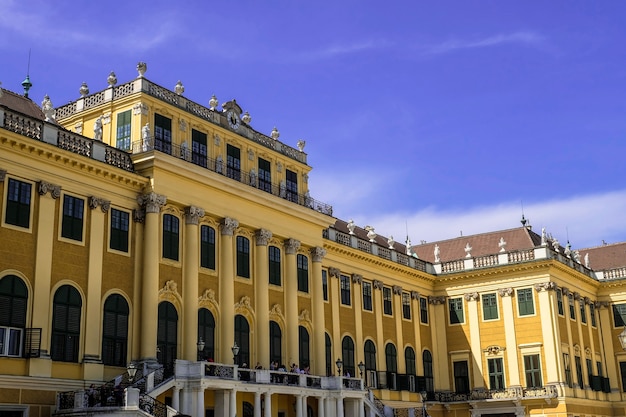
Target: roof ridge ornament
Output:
{"points": [[142, 67]]}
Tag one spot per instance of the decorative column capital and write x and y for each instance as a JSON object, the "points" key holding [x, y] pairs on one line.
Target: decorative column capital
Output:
{"points": [[45, 187], [471, 296], [415, 295], [602, 304], [436, 300], [357, 279], [378, 284], [193, 214], [263, 237], [139, 216], [334, 272], [3, 174], [505, 292], [291, 246], [151, 202], [228, 226], [545, 286], [94, 202], [397, 290], [317, 253]]}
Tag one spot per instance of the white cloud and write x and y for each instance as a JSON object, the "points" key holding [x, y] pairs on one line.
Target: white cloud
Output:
{"points": [[587, 219], [332, 51], [522, 38]]}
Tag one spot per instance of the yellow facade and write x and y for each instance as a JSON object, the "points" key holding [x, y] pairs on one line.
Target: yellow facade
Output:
{"points": [[200, 217]]}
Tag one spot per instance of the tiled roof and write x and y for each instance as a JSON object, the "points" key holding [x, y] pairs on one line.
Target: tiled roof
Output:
{"points": [[361, 233], [21, 104], [606, 256]]}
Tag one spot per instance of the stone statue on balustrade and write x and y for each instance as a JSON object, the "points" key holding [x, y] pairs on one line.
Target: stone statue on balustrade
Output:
{"points": [[97, 129]]}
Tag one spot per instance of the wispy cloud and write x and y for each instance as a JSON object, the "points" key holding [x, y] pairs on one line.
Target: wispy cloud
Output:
{"points": [[586, 220], [520, 38], [337, 50]]}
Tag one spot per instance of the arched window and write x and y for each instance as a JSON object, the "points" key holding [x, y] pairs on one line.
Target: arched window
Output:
{"points": [[391, 358], [167, 333], [276, 339], [329, 357], [370, 355], [409, 358], [347, 353], [206, 332], [66, 324], [303, 349], [242, 338], [115, 331], [13, 301], [427, 358], [248, 409]]}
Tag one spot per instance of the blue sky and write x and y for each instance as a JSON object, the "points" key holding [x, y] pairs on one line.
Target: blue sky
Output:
{"points": [[443, 116]]}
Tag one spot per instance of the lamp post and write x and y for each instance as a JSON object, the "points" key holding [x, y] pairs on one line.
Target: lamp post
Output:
{"points": [[235, 350], [200, 346], [622, 338], [339, 364], [132, 371]]}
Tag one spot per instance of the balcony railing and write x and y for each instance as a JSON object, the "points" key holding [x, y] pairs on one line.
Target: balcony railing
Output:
{"points": [[518, 393], [220, 166]]}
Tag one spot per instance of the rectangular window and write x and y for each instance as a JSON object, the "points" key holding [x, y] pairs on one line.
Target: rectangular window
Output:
{"points": [[345, 290], [589, 364], [243, 257], [592, 314], [532, 368], [11, 341], [490, 306], [325, 284], [525, 301], [303, 273], [207, 247], [455, 306], [568, 370], [461, 377], [198, 148], [622, 371], [572, 307], [619, 315], [387, 306], [292, 186], [424, 310], [367, 296], [579, 371], [265, 175], [599, 367], [559, 300], [120, 221], [233, 162], [583, 312], [72, 227], [406, 305], [162, 134], [170, 236], [122, 137], [18, 203], [274, 265], [496, 374]]}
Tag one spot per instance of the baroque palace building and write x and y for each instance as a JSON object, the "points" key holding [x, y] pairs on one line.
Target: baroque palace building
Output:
{"points": [[159, 257]]}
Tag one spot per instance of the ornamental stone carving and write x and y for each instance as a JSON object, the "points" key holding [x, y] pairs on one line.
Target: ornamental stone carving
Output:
{"points": [[371, 234], [494, 349], [139, 216], [415, 295], [378, 285], [291, 246], [276, 311], [83, 90], [140, 108], [44, 187], [275, 134], [437, 254], [576, 296], [587, 300], [170, 287], [193, 214], [468, 250], [505, 292], [228, 226], [397, 290], [471, 296], [106, 118], [351, 225], [182, 125], [213, 102], [244, 302], [151, 202], [300, 144], [207, 295], [357, 279], [246, 118], [334, 272], [502, 245], [318, 253], [263, 237], [111, 79], [3, 174], [565, 291], [250, 155], [436, 300], [94, 202], [142, 67], [78, 127], [545, 286], [48, 109], [179, 88], [602, 304], [304, 316]]}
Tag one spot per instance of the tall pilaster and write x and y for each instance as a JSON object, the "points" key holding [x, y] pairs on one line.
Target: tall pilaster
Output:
{"points": [[291, 299], [378, 307], [474, 329], [43, 267], [548, 328], [417, 323], [437, 312], [509, 336], [227, 289], [93, 365], [261, 277], [152, 203], [318, 366], [397, 301], [191, 263]]}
